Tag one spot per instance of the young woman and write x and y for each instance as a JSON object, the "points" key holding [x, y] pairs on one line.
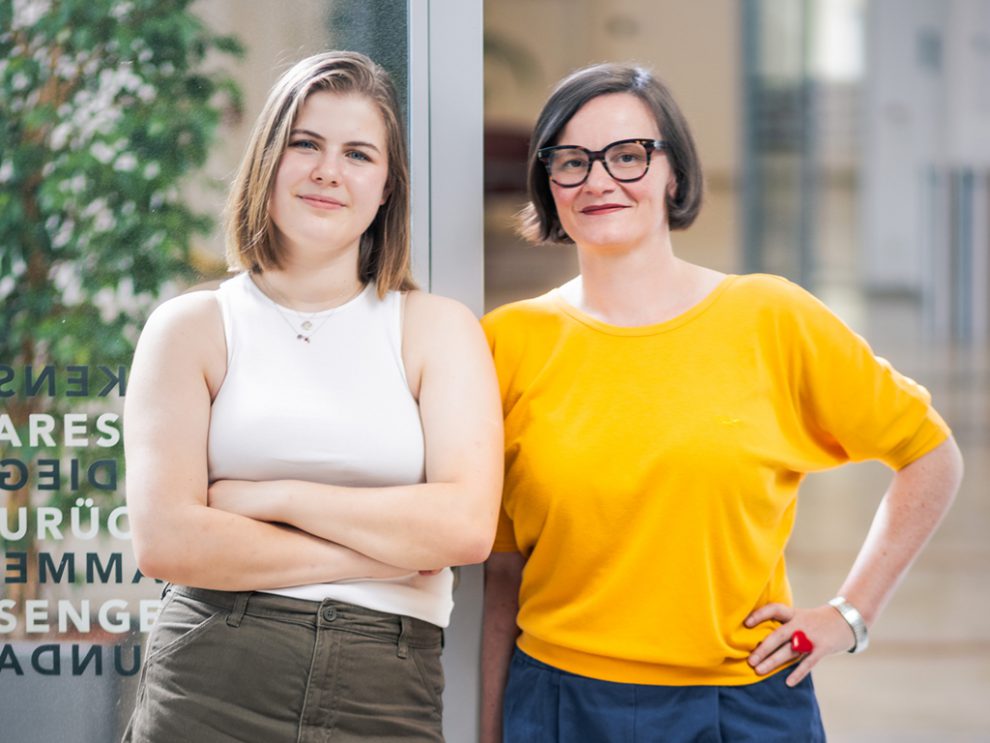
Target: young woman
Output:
{"points": [[310, 446], [659, 418]]}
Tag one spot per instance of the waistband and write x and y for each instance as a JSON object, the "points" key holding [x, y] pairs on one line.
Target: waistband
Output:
{"points": [[327, 614]]}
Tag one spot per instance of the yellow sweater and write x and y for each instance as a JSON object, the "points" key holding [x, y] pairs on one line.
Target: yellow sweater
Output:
{"points": [[652, 472]]}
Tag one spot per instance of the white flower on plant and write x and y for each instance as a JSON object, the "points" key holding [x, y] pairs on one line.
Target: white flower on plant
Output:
{"points": [[126, 298], [28, 12], [105, 300], [42, 54], [118, 79], [126, 163], [94, 207], [67, 68], [61, 238], [101, 214], [7, 285], [32, 98], [104, 222], [19, 81], [66, 277], [74, 185], [112, 301], [7, 171], [96, 112], [102, 152], [151, 171], [131, 332], [121, 10], [60, 135]]}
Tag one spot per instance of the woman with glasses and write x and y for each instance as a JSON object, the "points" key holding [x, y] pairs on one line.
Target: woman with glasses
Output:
{"points": [[310, 446], [659, 418]]}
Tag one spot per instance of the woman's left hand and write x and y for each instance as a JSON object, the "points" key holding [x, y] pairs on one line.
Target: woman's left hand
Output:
{"points": [[823, 626]]}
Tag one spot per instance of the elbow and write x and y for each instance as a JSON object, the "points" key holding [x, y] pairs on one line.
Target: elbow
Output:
{"points": [[476, 550], [474, 543], [151, 562], [156, 557], [947, 471]]}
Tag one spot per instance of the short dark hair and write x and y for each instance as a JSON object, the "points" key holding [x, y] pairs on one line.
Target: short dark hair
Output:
{"points": [[539, 221]]}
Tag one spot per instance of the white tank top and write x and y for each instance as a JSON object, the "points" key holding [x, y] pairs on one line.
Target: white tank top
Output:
{"points": [[335, 410]]}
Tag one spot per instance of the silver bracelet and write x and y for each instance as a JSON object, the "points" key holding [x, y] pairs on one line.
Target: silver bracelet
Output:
{"points": [[855, 621]]}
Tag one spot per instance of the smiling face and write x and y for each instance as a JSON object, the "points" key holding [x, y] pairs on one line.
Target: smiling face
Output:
{"points": [[331, 178], [603, 213]]}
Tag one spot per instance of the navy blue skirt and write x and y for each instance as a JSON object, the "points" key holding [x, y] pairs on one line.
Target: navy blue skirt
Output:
{"points": [[544, 704]]}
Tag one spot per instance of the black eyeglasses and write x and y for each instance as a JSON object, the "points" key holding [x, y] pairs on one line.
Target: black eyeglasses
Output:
{"points": [[626, 161]]}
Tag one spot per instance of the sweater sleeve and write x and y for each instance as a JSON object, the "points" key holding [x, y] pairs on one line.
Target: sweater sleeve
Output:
{"points": [[505, 540], [851, 401]]}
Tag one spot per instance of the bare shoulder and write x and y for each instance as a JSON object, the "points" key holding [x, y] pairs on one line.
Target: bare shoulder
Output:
{"points": [[439, 332], [184, 310], [430, 318], [186, 331], [436, 307]]}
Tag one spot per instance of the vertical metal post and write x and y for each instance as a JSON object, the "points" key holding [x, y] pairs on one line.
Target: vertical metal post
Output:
{"points": [[752, 193], [807, 164], [419, 137], [447, 163]]}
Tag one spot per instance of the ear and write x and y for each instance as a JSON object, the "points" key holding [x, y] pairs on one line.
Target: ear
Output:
{"points": [[386, 192]]}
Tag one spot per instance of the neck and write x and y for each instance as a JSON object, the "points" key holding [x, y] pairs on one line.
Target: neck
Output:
{"points": [[311, 289], [638, 287]]}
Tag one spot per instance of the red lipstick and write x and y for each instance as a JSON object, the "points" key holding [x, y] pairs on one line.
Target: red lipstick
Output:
{"points": [[595, 209]]}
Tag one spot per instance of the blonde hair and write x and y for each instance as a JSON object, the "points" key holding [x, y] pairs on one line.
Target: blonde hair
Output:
{"points": [[252, 243]]}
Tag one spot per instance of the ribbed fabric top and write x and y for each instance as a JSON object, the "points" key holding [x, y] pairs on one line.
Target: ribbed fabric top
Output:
{"points": [[336, 409]]}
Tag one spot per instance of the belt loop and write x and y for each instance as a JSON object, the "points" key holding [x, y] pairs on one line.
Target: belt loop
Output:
{"points": [[237, 611], [405, 628], [165, 589]]}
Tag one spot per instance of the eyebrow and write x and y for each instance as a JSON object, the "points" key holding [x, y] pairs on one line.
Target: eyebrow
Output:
{"points": [[315, 135]]}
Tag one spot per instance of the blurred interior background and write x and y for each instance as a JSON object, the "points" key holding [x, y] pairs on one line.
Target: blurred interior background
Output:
{"points": [[846, 145]]}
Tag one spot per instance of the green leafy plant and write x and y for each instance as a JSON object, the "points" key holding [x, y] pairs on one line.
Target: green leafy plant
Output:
{"points": [[106, 108]]}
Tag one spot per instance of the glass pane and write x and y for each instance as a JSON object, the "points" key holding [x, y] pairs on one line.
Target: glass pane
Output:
{"points": [[122, 125], [380, 30]]}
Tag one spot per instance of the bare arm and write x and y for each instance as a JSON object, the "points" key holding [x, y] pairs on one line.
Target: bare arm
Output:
{"points": [[448, 520], [919, 496], [179, 359], [503, 574]]}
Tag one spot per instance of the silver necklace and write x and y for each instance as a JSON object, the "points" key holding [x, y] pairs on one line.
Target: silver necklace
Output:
{"points": [[307, 325]]}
